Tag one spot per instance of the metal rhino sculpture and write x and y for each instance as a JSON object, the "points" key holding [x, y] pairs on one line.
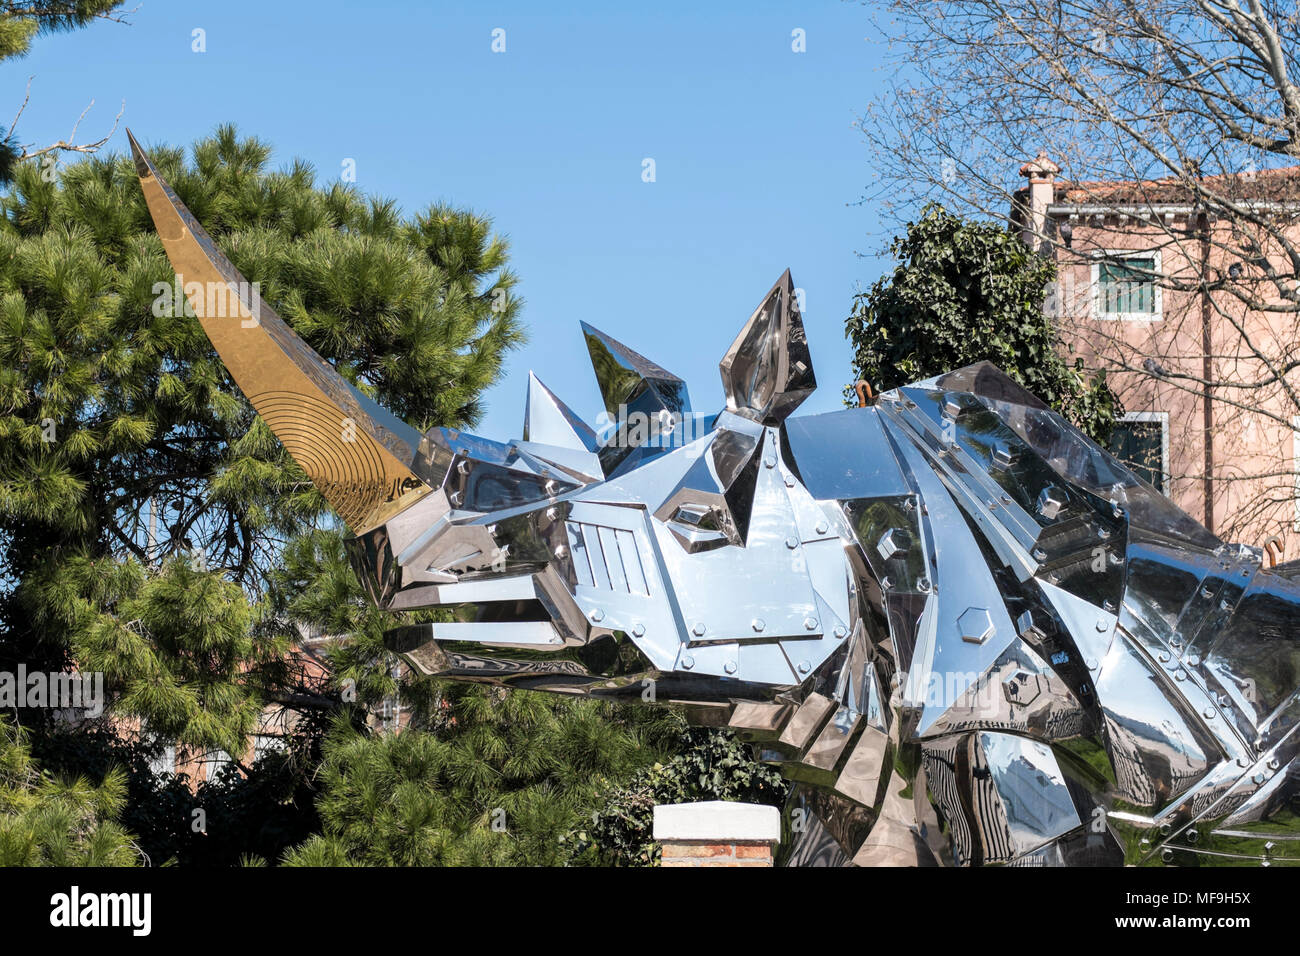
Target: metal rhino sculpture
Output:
{"points": [[968, 633]]}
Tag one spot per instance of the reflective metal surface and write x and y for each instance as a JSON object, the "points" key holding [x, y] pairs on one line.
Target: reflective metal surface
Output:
{"points": [[968, 633]]}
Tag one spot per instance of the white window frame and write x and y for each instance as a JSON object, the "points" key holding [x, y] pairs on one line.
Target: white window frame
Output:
{"points": [[1110, 255], [267, 743], [214, 760], [1163, 419], [165, 762]]}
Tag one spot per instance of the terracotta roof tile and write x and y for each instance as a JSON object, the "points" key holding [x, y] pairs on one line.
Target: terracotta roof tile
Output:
{"points": [[1276, 185]]}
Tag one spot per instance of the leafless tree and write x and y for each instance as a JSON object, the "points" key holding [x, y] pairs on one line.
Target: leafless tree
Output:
{"points": [[20, 21], [1174, 120]]}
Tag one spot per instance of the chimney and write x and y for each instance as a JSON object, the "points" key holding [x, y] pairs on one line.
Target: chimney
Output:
{"points": [[1041, 173]]}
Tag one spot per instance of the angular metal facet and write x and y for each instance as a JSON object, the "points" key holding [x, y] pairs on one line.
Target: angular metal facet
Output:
{"points": [[629, 382], [768, 370], [548, 421]]}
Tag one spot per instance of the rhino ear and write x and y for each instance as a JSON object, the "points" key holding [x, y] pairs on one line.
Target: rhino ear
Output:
{"points": [[549, 421], [768, 370], [361, 457]]}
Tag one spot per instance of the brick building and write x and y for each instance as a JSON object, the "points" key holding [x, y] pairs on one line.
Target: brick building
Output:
{"points": [[1193, 317]]}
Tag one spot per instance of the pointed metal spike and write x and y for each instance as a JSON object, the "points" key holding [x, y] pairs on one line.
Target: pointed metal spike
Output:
{"points": [[630, 382], [360, 456], [548, 421], [768, 370]]}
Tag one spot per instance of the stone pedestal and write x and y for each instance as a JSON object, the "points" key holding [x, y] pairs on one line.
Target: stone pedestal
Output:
{"points": [[717, 833]]}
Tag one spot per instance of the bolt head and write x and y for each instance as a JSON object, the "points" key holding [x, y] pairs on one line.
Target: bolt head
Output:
{"points": [[1027, 626], [975, 625], [729, 667], [638, 629], [1052, 501], [699, 629], [758, 624], [893, 543], [688, 662]]}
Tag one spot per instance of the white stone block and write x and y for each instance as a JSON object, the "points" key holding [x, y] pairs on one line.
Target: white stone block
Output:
{"points": [[718, 821]]}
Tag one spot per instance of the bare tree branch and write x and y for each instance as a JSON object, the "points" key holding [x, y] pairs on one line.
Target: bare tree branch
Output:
{"points": [[1176, 127]]}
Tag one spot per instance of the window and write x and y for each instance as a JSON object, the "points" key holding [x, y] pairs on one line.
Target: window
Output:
{"points": [[165, 762], [1124, 286], [1141, 441], [213, 761], [264, 744]]}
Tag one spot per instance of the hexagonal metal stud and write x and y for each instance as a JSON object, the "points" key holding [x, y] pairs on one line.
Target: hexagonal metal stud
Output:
{"points": [[1052, 501], [893, 543], [1029, 627], [1004, 455], [975, 625]]}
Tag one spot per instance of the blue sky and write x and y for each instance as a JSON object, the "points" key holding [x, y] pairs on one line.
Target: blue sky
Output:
{"points": [[757, 164]]}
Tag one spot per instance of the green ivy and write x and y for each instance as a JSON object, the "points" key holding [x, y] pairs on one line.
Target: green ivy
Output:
{"points": [[963, 292], [711, 765]]}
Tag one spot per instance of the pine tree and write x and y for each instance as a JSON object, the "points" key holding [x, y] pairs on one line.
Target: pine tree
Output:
{"points": [[502, 780], [48, 821], [142, 502]]}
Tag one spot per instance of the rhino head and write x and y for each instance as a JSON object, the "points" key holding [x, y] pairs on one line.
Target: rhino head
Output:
{"points": [[975, 635]]}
